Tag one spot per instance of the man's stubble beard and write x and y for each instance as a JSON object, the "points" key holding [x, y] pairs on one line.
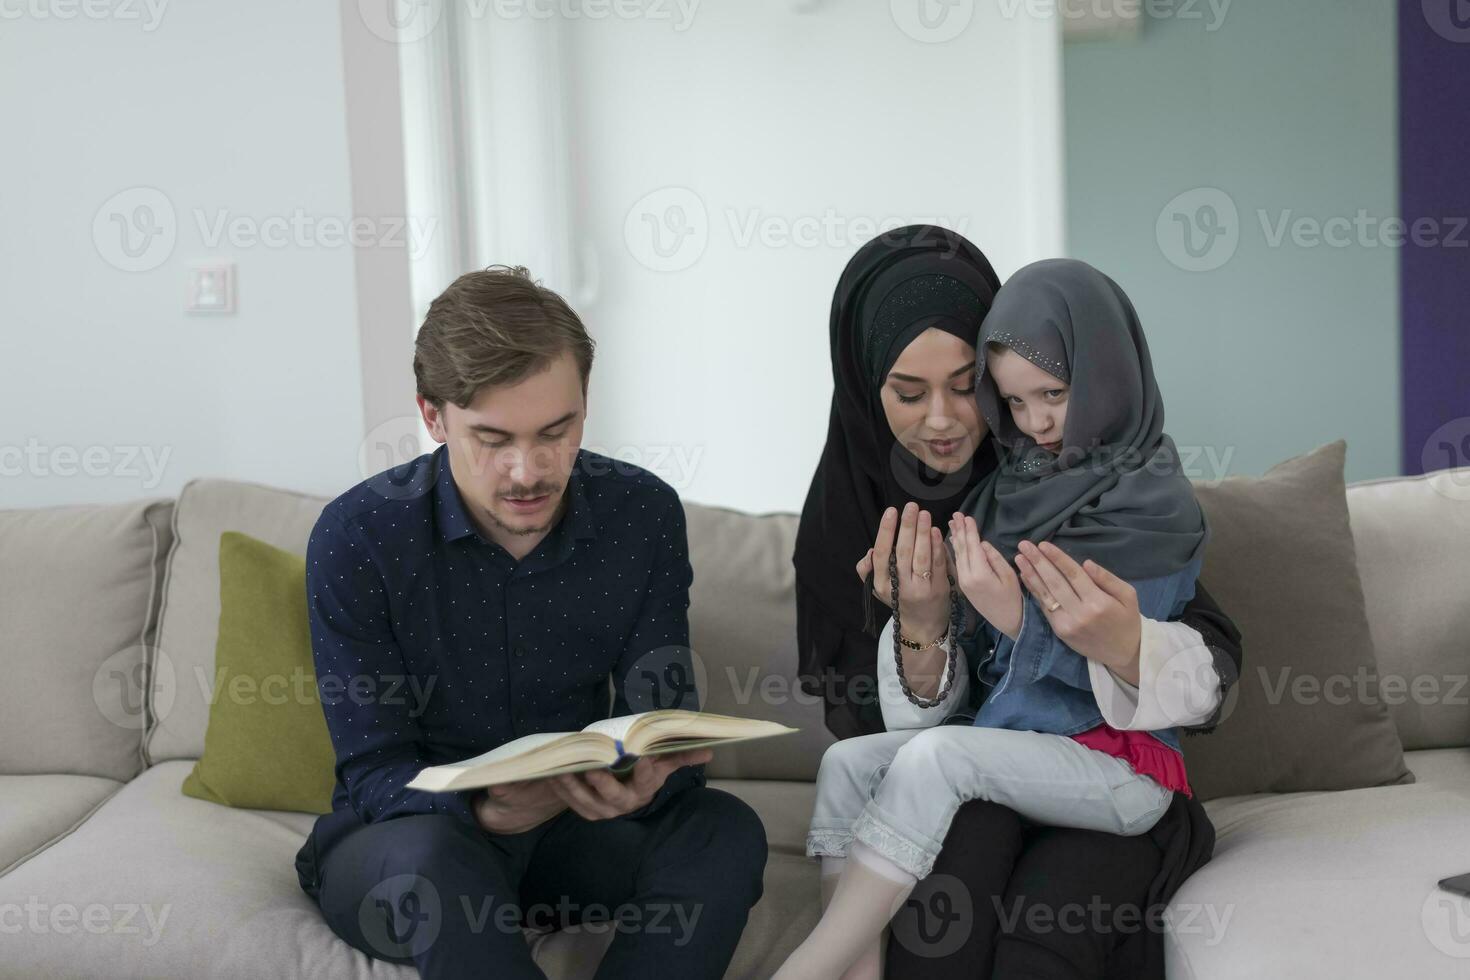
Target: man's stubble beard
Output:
{"points": [[540, 528], [521, 531]]}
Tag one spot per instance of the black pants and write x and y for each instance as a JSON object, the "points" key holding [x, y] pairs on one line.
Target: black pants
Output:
{"points": [[676, 886], [1016, 901]]}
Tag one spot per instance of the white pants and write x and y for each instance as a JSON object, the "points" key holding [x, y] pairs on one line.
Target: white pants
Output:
{"points": [[898, 791]]}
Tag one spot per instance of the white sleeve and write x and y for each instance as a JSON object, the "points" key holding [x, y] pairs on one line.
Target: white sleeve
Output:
{"points": [[1177, 681], [899, 713]]}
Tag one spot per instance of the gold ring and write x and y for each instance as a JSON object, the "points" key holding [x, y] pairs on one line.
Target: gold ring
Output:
{"points": [[927, 575], [1054, 606]]}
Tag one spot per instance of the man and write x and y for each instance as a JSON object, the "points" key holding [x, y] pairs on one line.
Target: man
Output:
{"points": [[488, 591]]}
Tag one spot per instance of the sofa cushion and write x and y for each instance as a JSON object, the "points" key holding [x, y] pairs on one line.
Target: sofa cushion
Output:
{"points": [[1413, 541], [789, 908], [1281, 563], [791, 903], [1333, 884], [742, 626], [156, 884], [785, 808], [176, 887], [189, 621], [78, 601], [35, 810]]}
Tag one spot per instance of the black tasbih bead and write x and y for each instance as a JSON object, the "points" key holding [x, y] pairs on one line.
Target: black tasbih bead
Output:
{"points": [[954, 618]]}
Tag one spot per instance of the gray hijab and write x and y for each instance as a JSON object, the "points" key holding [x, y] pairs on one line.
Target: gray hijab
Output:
{"points": [[1115, 492]]}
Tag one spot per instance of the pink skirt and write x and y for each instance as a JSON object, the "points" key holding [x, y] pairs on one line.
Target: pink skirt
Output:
{"points": [[1146, 754]]}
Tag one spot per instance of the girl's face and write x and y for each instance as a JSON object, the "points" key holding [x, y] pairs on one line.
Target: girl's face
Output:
{"points": [[1038, 401], [929, 401]]}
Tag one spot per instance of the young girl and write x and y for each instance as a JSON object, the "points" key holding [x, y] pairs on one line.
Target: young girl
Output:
{"points": [[1068, 390]]}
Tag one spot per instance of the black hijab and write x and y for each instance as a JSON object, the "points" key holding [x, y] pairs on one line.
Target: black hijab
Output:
{"points": [[897, 286]]}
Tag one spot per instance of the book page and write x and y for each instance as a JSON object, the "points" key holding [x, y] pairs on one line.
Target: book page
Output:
{"points": [[642, 731], [528, 757], [511, 749], [616, 728]]}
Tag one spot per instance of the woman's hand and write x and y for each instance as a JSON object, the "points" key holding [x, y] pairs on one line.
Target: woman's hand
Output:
{"points": [[1090, 609], [923, 571], [985, 577]]}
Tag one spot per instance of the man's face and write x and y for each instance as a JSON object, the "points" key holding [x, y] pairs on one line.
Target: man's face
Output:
{"points": [[512, 449]]}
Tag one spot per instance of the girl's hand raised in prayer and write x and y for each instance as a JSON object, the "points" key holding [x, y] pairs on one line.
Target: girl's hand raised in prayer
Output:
{"points": [[985, 577]]}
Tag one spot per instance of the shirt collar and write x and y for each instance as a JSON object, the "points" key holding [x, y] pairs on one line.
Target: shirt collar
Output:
{"points": [[453, 522], [576, 524]]}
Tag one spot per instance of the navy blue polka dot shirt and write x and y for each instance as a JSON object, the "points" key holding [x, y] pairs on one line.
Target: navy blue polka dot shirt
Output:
{"points": [[433, 644]]}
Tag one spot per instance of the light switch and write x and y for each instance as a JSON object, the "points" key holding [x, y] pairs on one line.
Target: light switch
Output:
{"points": [[211, 288]]}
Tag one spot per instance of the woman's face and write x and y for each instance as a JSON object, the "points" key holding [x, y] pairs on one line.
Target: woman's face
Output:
{"points": [[929, 401]]}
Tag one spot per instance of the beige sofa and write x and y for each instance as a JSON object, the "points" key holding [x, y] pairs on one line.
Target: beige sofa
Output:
{"points": [[107, 632]]}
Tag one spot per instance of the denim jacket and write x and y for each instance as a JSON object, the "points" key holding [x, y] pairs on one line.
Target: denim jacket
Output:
{"points": [[1037, 683]]}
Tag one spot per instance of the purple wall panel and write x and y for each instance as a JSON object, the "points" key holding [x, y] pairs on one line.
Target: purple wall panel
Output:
{"points": [[1434, 149]]}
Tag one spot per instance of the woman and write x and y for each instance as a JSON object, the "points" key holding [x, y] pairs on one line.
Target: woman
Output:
{"points": [[905, 431]]}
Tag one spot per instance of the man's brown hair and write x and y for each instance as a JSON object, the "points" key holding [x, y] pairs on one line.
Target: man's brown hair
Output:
{"points": [[493, 327]]}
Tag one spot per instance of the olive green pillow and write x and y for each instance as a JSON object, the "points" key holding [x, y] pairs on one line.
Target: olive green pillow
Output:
{"points": [[266, 747]]}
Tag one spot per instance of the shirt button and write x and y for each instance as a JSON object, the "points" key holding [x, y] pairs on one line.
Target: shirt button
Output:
{"points": [[519, 651]]}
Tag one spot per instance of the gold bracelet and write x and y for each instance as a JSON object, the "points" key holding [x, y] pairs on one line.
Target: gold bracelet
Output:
{"points": [[920, 646]]}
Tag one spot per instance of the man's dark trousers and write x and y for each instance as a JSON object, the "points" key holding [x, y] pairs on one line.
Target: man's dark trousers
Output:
{"points": [[675, 886]]}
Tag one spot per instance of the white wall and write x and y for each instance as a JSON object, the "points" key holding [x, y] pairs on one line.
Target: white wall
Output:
{"points": [[713, 365], [224, 108]]}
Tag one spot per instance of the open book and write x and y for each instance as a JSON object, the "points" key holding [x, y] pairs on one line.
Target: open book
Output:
{"points": [[612, 743]]}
